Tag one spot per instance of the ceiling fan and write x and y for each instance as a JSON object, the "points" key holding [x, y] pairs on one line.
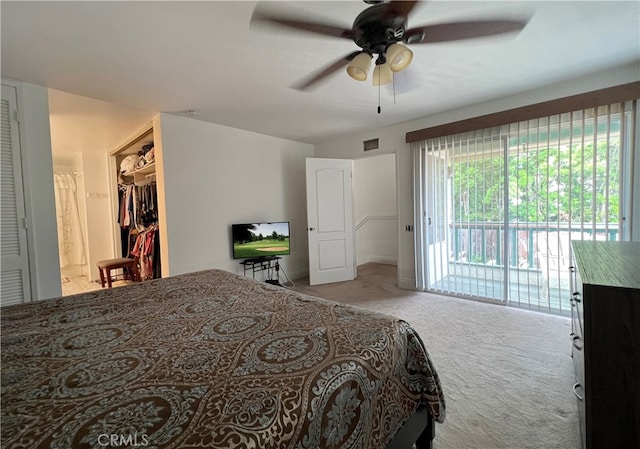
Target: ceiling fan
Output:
{"points": [[380, 31]]}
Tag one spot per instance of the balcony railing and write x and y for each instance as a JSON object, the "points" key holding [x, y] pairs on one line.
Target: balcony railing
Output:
{"points": [[481, 242], [538, 262]]}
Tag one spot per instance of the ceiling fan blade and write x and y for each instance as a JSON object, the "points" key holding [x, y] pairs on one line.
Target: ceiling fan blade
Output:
{"points": [[325, 72], [399, 8], [324, 29], [455, 31]]}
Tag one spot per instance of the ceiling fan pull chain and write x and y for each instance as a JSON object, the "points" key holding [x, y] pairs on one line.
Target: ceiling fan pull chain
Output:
{"points": [[393, 81], [378, 93]]}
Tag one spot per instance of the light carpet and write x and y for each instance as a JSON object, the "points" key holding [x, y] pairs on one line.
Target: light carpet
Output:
{"points": [[507, 373]]}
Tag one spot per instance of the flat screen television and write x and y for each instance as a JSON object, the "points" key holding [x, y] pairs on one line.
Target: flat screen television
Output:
{"points": [[257, 240]]}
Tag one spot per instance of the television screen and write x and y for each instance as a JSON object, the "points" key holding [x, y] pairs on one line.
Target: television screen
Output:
{"points": [[252, 240]]}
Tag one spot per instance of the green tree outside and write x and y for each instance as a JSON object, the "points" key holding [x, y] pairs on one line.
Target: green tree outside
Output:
{"points": [[555, 184]]}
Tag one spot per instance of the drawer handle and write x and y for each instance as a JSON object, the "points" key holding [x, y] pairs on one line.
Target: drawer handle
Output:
{"points": [[575, 339], [575, 387], [571, 335]]}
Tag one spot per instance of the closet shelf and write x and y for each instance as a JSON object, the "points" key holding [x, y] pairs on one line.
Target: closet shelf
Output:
{"points": [[149, 168]]}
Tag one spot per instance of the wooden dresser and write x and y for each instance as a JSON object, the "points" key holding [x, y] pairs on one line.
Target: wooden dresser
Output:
{"points": [[606, 342]]}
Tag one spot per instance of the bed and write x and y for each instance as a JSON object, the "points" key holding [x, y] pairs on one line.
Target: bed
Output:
{"points": [[212, 359]]}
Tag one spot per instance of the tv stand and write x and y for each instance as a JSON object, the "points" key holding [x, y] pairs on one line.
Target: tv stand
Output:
{"points": [[269, 264]]}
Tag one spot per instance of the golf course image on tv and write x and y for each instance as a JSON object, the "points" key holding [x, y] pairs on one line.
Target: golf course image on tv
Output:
{"points": [[260, 239]]}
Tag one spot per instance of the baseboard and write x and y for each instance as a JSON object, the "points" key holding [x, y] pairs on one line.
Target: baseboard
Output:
{"points": [[296, 274], [386, 260], [407, 284]]}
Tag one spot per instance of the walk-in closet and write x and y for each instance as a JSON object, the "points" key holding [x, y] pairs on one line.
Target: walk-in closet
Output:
{"points": [[136, 212]]}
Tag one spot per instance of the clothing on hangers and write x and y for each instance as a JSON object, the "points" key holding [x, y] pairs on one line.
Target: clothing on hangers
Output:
{"points": [[138, 205], [146, 250]]}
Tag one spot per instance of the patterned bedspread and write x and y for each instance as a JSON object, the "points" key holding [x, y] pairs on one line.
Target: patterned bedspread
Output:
{"points": [[208, 359]]}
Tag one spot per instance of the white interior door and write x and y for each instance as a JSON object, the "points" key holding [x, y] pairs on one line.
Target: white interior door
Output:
{"points": [[330, 220], [15, 281]]}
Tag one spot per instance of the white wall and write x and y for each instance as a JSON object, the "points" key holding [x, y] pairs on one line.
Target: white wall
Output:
{"points": [[37, 166], [375, 209], [214, 176], [392, 140]]}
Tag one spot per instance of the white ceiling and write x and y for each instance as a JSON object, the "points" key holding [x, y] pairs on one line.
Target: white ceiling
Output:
{"points": [[138, 58]]}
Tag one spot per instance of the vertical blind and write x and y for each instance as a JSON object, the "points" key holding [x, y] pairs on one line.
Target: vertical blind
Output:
{"points": [[496, 209]]}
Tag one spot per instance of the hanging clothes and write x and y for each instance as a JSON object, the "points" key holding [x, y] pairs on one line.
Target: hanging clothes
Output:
{"points": [[124, 231], [70, 235], [138, 206], [137, 209], [147, 251]]}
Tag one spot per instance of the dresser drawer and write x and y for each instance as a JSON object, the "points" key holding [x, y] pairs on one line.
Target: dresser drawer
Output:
{"points": [[577, 316], [573, 278], [577, 348], [577, 285], [577, 353]]}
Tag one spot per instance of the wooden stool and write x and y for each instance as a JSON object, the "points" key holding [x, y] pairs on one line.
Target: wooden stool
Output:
{"points": [[127, 265]]}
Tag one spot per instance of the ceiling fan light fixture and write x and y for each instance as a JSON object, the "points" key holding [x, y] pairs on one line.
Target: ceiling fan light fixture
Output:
{"points": [[359, 66], [382, 74], [399, 57]]}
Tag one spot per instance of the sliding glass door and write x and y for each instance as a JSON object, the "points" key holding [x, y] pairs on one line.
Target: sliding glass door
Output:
{"points": [[497, 208]]}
